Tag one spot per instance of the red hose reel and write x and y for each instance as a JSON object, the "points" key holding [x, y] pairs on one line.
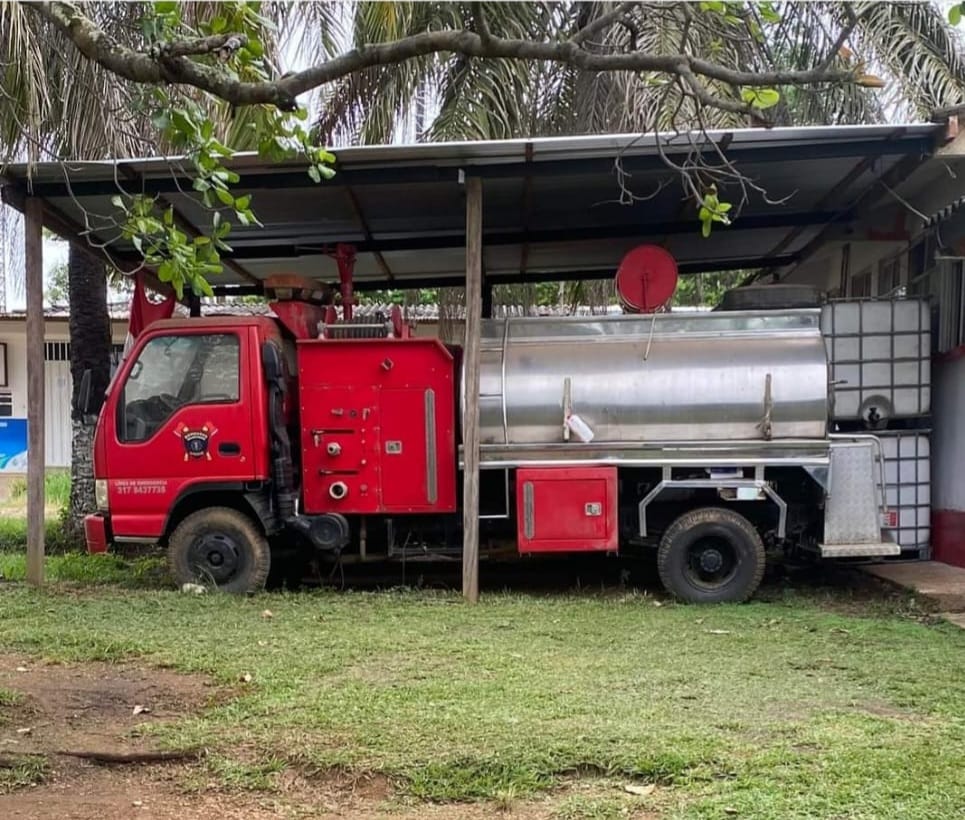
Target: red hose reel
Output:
{"points": [[646, 279]]}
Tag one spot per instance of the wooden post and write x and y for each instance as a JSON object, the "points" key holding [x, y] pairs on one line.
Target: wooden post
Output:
{"points": [[34, 268], [470, 413]]}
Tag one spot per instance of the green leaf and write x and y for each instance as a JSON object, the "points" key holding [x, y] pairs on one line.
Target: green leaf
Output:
{"points": [[118, 202], [165, 271], [768, 13], [242, 203], [182, 123], [136, 242], [202, 240], [165, 8], [201, 287], [955, 14], [300, 113], [326, 172], [225, 197], [256, 49], [314, 173], [705, 228], [169, 217], [218, 24], [761, 97]]}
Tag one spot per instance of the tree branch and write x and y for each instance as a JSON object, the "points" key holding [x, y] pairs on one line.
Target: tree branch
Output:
{"points": [[602, 22], [202, 45], [140, 67]]}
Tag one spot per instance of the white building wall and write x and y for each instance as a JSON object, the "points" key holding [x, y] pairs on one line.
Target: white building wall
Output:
{"points": [[58, 385]]}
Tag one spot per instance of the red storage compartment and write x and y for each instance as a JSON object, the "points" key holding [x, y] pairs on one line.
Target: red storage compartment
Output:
{"points": [[378, 426], [567, 509]]}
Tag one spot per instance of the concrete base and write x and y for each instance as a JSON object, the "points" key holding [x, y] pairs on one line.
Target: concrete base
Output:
{"points": [[942, 584]]}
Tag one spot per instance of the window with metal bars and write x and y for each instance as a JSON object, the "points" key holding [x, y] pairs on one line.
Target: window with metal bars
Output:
{"points": [[60, 352]]}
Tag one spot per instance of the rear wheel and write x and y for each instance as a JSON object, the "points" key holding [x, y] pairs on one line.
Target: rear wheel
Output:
{"points": [[220, 547], [710, 556]]}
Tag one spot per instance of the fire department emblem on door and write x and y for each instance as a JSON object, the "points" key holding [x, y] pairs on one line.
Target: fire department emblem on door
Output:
{"points": [[196, 440]]}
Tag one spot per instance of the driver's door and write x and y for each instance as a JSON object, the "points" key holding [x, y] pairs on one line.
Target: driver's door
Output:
{"points": [[182, 418]]}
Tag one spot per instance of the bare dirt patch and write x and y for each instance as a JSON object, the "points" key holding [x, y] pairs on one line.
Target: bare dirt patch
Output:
{"points": [[50, 709]]}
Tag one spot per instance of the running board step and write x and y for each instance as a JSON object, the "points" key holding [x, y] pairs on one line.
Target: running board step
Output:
{"points": [[859, 550]]}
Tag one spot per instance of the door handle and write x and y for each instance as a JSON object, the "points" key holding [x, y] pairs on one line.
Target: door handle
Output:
{"points": [[229, 448]]}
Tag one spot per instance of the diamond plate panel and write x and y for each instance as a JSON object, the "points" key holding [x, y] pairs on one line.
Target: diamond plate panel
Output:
{"points": [[852, 516], [859, 550]]}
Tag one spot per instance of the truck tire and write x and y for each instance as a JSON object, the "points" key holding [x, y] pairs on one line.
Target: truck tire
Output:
{"points": [[771, 297], [711, 555], [221, 547]]}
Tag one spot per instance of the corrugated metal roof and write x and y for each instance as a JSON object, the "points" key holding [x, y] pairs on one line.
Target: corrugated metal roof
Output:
{"points": [[492, 152], [552, 206]]}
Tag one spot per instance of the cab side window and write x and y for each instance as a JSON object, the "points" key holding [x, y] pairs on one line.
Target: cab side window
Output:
{"points": [[172, 372]]}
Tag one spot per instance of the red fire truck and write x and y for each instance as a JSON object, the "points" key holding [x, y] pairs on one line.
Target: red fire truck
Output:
{"points": [[706, 437]]}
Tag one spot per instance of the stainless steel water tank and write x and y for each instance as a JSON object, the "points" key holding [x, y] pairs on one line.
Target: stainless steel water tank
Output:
{"points": [[663, 377]]}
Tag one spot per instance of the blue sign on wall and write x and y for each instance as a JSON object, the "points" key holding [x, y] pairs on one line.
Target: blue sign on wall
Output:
{"points": [[13, 445]]}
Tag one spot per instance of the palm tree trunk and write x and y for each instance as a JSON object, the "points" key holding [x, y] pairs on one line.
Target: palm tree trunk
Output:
{"points": [[90, 349]]}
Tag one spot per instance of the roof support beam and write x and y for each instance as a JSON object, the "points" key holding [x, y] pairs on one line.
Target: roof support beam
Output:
{"points": [[527, 210], [470, 407], [282, 247], [36, 464], [367, 232], [456, 280]]}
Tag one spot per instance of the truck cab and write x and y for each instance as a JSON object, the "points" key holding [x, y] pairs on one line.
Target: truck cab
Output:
{"points": [[183, 430]]}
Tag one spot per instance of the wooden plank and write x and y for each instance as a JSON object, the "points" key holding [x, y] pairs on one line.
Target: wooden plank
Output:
{"points": [[34, 265], [470, 413]]}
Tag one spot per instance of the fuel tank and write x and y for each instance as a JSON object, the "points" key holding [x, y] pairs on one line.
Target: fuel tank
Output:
{"points": [[670, 377]]}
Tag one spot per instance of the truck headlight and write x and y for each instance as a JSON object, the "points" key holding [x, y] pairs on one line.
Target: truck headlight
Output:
{"points": [[100, 494]]}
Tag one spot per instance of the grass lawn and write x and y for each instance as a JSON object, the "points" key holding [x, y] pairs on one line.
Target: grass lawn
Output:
{"points": [[13, 511], [805, 705]]}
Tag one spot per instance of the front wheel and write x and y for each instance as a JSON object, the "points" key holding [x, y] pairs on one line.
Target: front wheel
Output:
{"points": [[711, 555], [220, 547]]}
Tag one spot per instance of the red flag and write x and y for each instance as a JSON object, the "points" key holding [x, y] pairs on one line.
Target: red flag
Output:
{"points": [[143, 311]]}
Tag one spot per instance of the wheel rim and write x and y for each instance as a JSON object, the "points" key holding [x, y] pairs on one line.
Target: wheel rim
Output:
{"points": [[216, 557], [711, 563]]}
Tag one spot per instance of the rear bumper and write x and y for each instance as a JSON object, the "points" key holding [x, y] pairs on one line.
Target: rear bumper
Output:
{"points": [[97, 533]]}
